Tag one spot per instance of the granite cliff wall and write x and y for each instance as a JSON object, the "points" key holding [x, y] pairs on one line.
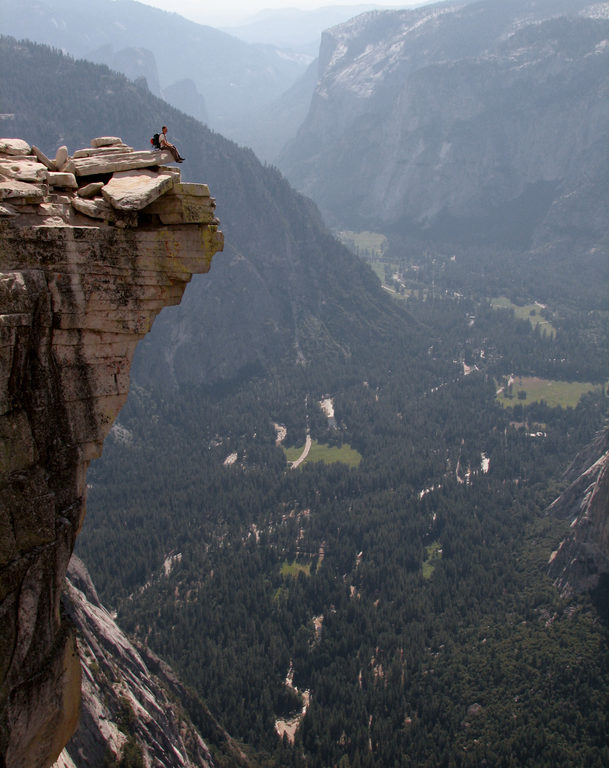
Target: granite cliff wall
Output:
{"points": [[582, 559], [92, 247]]}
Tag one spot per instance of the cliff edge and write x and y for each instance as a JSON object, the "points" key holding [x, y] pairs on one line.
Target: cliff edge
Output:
{"points": [[92, 247]]}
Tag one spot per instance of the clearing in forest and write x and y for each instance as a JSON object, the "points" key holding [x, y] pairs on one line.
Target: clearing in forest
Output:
{"points": [[366, 244], [433, 553], [531, 389], [530, 312], [329, 454], [294, 568]]}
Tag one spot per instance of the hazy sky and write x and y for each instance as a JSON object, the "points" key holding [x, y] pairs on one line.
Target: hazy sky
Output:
{"points": [[232, 12]]}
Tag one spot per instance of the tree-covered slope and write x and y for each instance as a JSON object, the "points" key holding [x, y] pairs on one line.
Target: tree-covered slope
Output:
{"points": [[283, 286], [234, 77]]}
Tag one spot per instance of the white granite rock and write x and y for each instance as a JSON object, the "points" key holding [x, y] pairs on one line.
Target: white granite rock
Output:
{"points": [[23, 169], [61, 158], [134, 190], [185, 188], [181, 207], [90, 190], [14, 147], [120, 161], [97, 208], [42, 158], [57, 179], [12, 189], [91, 151], [106, 141]]}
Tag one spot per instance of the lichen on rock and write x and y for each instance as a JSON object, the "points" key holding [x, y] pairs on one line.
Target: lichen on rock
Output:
{"points": [[81, 281]]}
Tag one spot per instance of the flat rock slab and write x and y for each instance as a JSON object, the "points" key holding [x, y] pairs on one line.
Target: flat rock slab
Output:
{"points": [[120, 161], [24, 169], [185, 188], [42, 158], [184, 209], [90, 190], [20, 190], [95, 209], [14, 147], [106, 141], [57, 179], [91, 151], [134, 190]]}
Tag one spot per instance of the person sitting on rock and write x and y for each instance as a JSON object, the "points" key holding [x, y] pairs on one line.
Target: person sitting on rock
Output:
{"points": [[167, 145]]}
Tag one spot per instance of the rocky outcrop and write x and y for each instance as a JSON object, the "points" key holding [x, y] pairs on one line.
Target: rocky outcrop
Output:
{"points": [[583, 556], [440, 121], [128, 694], [81, 281]]}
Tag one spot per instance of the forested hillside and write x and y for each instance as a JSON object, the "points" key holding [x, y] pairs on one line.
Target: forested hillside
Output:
{"points": [[283, 285], [235, 79], [384, 602]]}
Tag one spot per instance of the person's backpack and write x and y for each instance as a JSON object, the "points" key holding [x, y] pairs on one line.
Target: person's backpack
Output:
{"points": [[156, 144]]}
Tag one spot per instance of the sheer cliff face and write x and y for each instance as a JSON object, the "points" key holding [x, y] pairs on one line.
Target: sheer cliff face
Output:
{"points": [[444, 119], [583, 557], [119, 676], [91, 249]]}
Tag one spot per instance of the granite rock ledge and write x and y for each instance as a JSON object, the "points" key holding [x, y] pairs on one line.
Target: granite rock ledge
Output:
{"points": [[92, 247]]}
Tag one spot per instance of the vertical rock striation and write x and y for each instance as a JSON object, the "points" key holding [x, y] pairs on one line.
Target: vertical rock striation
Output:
{"points": [[126, 690], [92, 247], [582, 559]]}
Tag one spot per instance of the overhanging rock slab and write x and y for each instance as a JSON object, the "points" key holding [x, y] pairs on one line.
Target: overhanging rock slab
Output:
{"points": [[120, 161], [134, 190]]}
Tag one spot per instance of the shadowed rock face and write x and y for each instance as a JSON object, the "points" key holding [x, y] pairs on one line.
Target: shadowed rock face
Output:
{"points": [[77, 291], [118, 676], [583, 557]]}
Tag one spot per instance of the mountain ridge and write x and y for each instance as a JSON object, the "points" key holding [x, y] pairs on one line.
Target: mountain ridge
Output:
{"points": [[440, 123]]}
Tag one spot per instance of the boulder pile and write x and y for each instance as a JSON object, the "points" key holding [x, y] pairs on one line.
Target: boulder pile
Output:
{"points": [[108, 181]]}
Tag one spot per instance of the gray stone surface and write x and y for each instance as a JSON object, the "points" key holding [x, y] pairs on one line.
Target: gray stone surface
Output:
{"points": [[120, 161], [20, 189], [8, 210], [57, 179], [114, 667], [106, 141], [134, 190], [90, 190], [96, 208], [91, 151], [23, 169], [76, 294], [61, 157], [14, 147], [42, 158]]}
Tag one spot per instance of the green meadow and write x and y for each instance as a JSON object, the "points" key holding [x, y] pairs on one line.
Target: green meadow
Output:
{"points": [[326, 453], [433, 553], [555, 393], [530, 312]]}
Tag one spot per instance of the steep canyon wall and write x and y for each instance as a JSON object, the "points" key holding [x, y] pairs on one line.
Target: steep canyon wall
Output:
{"points": [[92, 247]]}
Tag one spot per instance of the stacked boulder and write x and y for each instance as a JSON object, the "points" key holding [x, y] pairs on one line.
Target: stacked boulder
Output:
{"points": [[108, 181]]}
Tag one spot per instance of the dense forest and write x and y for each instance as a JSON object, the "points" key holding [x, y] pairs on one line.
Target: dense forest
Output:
{"points": [[406, 596], [400, 598]]}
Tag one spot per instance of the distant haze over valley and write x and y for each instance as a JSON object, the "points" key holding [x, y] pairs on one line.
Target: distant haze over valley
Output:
{"points": [[358, 494]]}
